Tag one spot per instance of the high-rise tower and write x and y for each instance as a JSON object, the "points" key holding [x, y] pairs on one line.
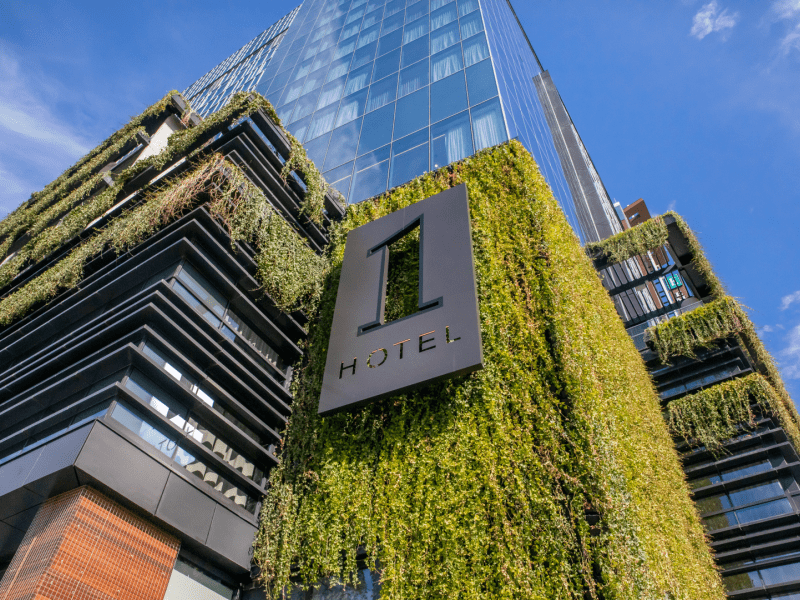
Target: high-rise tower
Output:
{"points": [[381, 92]]}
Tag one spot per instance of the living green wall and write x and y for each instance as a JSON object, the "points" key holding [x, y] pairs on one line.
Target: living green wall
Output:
{"points": [[548, 474]]}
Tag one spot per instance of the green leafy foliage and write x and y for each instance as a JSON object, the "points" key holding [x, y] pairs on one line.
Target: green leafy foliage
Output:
{"points": [[46, 236], [647, 236], [478, 487], [232, 199], [714, 415], [700, 328]]}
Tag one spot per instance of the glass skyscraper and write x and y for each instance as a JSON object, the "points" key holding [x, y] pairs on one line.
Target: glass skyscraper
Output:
{"points": [[380, 92]]}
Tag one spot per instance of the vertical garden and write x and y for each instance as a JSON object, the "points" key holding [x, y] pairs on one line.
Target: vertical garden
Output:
{"points": [[548, 474]]}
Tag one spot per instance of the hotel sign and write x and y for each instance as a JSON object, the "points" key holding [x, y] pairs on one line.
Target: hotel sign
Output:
{"points": [[369, 358]]}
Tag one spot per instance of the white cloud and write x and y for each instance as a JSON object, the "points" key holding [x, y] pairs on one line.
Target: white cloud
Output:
{"points": [[790, 299], [35, 144], [710, 19], [671, 205], [785, 9], [767, 329], [791, 355]]}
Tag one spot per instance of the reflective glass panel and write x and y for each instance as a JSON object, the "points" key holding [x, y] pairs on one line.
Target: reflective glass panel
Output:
{"points": [[480, 82], [448, 96], [377, 129], [413, 78], [344, 142], [487, 125], [412, 113], [451, 140]]}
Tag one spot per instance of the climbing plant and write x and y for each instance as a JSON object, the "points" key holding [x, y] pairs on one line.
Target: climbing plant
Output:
{"points": [[479, 487], [647, 236], [83, 210], [229, 195], [714, 415], [701, 327]]}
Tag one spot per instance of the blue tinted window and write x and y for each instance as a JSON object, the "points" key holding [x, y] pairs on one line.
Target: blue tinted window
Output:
{"points": [[301, 70], [448, 96], [439, 3], [377, 129], [467, 6], [410, 164], [285, 111], [332, 92], [355, 16], [487, 124], [390, 42], [382, 92], [369, 35], [291, 93], [322, 122], [451, 140], [471, 25], [763, 511], [344, 142], [416, 50], [317, 148], [416, 10], [358, 79], [305, 105], [386, 65], [372, 18], [412, 113], [443, 16], [279, 82], [351, 30], [446, 63], [393, 8], [444, 38], [370, 182], [413, 78], [475, 49], [373, 158], [364, 55], [339, 173], [346, 47], [415, 30], [480, 82], [352, 107], [323, 59], [339, 68], [299, 128], [393, 23]]}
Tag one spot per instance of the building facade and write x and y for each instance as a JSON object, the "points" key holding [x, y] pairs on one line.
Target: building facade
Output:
{"points": [[381, 92], [744, 477]]}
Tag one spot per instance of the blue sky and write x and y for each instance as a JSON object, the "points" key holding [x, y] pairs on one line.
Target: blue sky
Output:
{"points": [[692, 105]]}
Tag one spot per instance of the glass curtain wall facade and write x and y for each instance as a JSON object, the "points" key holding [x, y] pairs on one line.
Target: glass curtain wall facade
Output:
{"points": [[380, 92]]}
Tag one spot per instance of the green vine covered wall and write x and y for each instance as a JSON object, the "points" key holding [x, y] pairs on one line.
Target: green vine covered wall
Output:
{"points": [[480, 487]]}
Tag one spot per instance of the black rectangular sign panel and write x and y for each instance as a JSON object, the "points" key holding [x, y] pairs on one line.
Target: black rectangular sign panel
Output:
{"points": [[370, 359]]}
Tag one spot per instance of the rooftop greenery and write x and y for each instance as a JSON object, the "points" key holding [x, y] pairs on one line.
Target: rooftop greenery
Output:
{"points": [[287, 268], [479, 487]]}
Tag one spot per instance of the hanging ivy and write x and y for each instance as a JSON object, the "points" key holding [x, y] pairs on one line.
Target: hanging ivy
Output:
{"points": [[45, 238], [715, 415], [700, 328], [643, 238], [219, 183], [478, 487]]}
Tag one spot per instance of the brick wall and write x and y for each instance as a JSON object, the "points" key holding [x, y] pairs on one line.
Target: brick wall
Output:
{"points": [[83, 546]]}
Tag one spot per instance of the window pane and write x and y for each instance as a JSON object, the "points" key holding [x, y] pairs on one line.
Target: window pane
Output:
{"points": [[299, 128], [370, 182], [201, 288], [741, 581], [411, 163], [439, 3], [358, 79], [415, 30], [471, 25], [393, 8], [345, 141], [756, 493], [237, 323], [451, 140], [781, 574], [209, 438], [317, 148], [448, 96], [209, 476], [305, 105], [364, 56], [467, 6], [159, 400], [372, 17], [487, 125], [331, 93], [719, 521], [386, 65], [480, 82], [377, 129], [196, 304], [339, 68], [143, 429], [744, 471], [390, 42], [345, 47], [339, 173], [416, 50], [413, 78], [322, 123], [446, 63], [382, 92], [415, 10], [315, 80], [394, 24], [764, 511], [352, 107], [368, 36], [444, 38], [475, 49], [412, 113], [443, 16]]}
